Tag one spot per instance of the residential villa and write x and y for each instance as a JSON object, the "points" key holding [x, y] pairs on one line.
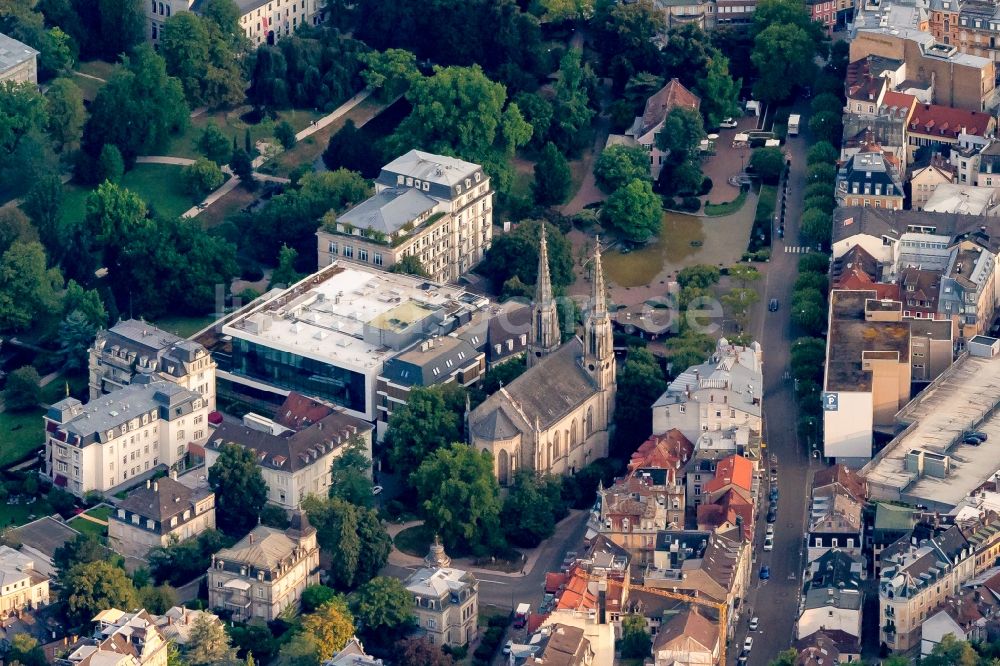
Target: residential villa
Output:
{"points": [[22, 587], [163, 512], [445, 600], [121, 639]]}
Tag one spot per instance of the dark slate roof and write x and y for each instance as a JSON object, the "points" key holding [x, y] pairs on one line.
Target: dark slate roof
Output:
{"points": [[417, 365], [508, 326], [291, 451], [389, 210], [868, 174], [164, 499], [496, 425], [544, 393]]}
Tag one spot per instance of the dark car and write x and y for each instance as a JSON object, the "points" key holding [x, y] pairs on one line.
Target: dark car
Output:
{"points": [[773, 305], [774, 493], [765, 572], [978, 434], [772, 515]]}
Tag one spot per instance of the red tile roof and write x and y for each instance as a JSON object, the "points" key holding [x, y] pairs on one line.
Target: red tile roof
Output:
{"points": [[554, 581], [662, 451], [577, 594], [299, 411], [732, 470], [897, 100], [724, 511], [945, 121]]}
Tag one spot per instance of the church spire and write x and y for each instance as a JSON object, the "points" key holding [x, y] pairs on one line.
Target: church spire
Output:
{"points": [[600, 298], [544, 314], [598, 339]]}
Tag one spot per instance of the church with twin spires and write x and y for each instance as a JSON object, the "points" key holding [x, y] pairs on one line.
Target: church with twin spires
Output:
{"points": [[554, 418]]}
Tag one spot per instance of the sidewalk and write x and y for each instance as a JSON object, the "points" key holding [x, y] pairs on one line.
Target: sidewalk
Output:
{"points": [[401, 559]]}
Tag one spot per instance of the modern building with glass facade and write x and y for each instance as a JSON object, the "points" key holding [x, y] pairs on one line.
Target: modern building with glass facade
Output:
{"points": [[329, 335]]}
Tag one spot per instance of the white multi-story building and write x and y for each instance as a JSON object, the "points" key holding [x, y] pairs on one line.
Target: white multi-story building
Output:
{"points": [[436, 208], [117, 437], [134, 348], [21, 586], [717, 402], [445, 600], [263, 21], [294, 462]]}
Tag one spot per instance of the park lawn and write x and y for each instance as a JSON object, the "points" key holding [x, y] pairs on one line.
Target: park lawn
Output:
{"points": [[414, 540], [55, 390], [185, 143], [311, 148], [88, 87], [19, 514], [726, 207], [521, 187], [229, 205], [23, 432], [100, 512], [159, 185], [183, 327], [85, 526], [102, 69]]}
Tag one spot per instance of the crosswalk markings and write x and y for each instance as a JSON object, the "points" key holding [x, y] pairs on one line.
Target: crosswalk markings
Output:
{"points": [[787, 375], [798, 249]]}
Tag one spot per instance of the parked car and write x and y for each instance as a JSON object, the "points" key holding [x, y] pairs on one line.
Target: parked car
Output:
{"points": [[507, 646], [774, 493], [768, 544], [770, 530], [742, 661], [772, 514], [748, 643], [978, 434], [728, 123], [974, 441], [754, 623], [765, 572], [773, 304], [377, 490]]}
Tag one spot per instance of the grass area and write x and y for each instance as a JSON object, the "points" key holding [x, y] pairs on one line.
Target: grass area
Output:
{"points": [[414, 540], [160, 186], [727, 207], [55, 390], [232, 203], [88, 527], [101, 512], [232, 125], [183, 326], [521, 187], [23, 432], [99, 68], [310, 148], [88, 87], [19, 514]]}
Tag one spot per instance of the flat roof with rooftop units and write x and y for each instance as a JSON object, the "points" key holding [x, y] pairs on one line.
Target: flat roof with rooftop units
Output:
{"points": [[929, 463]]}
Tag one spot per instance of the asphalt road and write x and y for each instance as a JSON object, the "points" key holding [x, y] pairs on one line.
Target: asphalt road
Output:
{"points": [[775, 601]]}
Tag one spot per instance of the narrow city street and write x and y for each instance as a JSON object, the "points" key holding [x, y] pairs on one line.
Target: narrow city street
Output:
{"points": [[775, 601]]}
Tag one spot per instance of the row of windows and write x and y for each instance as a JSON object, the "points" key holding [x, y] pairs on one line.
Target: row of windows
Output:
{"points": [[348, 252]]}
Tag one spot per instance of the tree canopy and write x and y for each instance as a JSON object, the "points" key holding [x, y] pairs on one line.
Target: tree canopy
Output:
{"points": [[634, 212], [240, 490], [531, 509], [619, 165], [89, 588], [350, 474], [354, 536], [515, 254], [430, 420]]}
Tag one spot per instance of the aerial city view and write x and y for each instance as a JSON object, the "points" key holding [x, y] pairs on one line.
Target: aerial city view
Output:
{"points": [[499, 332]]}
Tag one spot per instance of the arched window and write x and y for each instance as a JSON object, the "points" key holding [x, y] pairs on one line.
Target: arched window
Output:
{"points": [[557, 444], [590, 421], [548, 457], [503, 467], [154, 31], [162, 11], [154, 6], [168, 10], [572, 434]]}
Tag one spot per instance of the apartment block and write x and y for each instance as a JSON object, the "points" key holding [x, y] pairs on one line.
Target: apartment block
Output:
{"points": [[145, 426], [870, 179], [133, 348], [265, 572], [263, 21], [436, 208]]}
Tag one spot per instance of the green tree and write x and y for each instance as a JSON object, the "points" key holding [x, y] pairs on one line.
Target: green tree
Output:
{"points": [[315, 596], [430, 420], [633, 212], [816, 227], [635, 642], [814, 262], [25, 650], [788, 658], [460, 111], [420, 651], [744, 274], [699, 275], [459, 496], [809, 314], [157, 600], [354, 536], [202, 177], [138, 88], [83, 549], [410, 265], [285, 134], [821, 173], [619, 165], [214, 145], [329, 628], [201, 55], [529, 513], [768, 163], [15, 226], [208, 643], [738, 303], [242, 165], [64, 107], [552, 177], [23, 390], [389, 73], [27, 287], [719, 93], [516, 254], [382, 608], [558, 11], [285, 274], [682, 133], [951, 652], [822, 151], [640, 383], [350, 474], [783, 56], [625, 35], [572, 114], [43, 204], [808, 358], [825, 126], [538, 112], [110, 166], [76, 334], [825, 204], [180, 562], [89, 588], [240, 490]]}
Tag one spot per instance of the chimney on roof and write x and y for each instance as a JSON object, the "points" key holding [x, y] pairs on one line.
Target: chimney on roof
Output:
{"points": [[251, 537]]}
